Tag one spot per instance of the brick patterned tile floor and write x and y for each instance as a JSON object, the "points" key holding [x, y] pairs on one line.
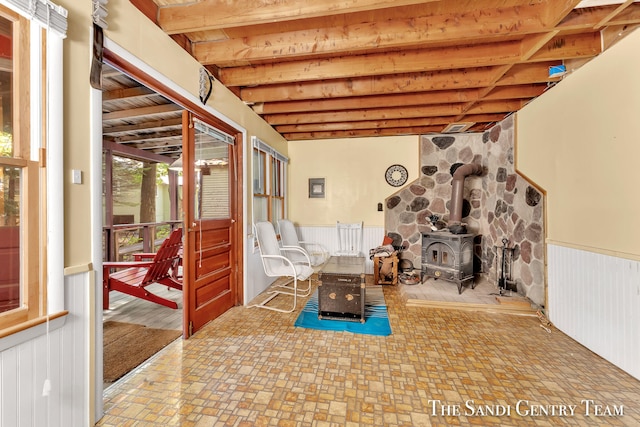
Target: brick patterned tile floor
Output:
{"points": [[252, 367]]}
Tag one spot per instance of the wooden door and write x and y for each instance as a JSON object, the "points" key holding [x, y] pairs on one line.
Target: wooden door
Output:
{"points": [[210, 206]]}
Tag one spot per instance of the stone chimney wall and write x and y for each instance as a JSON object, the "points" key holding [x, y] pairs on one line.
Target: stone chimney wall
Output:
{"points": [[499, 204]]}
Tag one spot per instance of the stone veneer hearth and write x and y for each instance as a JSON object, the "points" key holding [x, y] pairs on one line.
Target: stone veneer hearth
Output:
{"points": [[499, 203]]}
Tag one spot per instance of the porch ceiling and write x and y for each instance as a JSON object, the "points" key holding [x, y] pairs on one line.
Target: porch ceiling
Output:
{"points": [[136, 121], [345, 68]]}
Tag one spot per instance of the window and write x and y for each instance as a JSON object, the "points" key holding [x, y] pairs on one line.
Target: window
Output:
{"points": [[23, 144], [20, 202], [269, 183], [212, 154], [277, 188]]}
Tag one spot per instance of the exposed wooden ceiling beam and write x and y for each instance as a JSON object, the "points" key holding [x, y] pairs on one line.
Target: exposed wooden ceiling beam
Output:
{"points": [[147, 126], [148, 136], [515, 92], [363, 133], [613, 14], [347, 68], [215, 14], [499, 106], [532, 44], [556, 10], [365, 124], [376, 85], [160, 146], [372, 114], [134, 153], [405, 100], [570, 46], [374, 64], [451, 28], [584, 19], [612, 33], [537, 72], [383, 124], [499, 53], [142, 111], [373, 101], [132, 92], [630, 15]]}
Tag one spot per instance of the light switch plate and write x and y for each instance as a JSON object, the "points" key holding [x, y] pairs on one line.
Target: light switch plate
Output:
{"points": [[76, 177]]}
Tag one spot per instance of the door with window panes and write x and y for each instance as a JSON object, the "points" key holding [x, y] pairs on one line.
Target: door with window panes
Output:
{"points": [[210, 206]]}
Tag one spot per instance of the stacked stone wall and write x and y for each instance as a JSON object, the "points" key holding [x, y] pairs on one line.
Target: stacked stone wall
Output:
{"points": [[498, 204]]}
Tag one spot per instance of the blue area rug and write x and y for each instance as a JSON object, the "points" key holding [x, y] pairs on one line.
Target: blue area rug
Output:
{"points": [[375, 314]]}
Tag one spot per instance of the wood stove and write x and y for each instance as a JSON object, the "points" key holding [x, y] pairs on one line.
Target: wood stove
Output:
{"points": [[449, 257]]}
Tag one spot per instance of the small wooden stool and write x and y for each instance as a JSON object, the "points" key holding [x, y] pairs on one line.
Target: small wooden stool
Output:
{"points": [[377, 264]]}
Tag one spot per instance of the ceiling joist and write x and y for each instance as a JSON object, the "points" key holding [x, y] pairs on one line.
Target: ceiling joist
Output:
{"points": [[346, 68], [200, 16]]}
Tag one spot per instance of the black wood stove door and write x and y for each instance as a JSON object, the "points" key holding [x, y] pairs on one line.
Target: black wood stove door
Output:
{"points": [[441, 254]]}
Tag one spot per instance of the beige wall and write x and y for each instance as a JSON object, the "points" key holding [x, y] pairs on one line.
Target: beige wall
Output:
{"points": [[581, 142], [132, 31], [77, 198], [353, 169]]}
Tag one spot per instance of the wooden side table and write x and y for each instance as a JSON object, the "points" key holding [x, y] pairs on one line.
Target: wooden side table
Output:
{"points": [[377, 263]]}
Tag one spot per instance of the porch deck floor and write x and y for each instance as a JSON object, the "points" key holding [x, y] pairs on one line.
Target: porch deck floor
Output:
{"points": [[252, 367], [126, 308]]}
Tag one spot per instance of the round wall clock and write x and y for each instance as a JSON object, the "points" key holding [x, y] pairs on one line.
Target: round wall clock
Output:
{"points": [[396, 175]]}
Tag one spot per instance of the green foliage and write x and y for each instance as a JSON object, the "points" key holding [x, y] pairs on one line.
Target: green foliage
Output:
{"points": [[130, 188], [6, 144], [163, 231], [127, 176], [129, 238], [162, 171], [9, 184]]}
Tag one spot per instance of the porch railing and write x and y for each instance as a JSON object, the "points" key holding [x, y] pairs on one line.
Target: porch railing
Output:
{"points": [[119, 242]]}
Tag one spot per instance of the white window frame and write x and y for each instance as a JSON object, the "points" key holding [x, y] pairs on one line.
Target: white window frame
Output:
{"points": [[270, 155], [46, 21]]}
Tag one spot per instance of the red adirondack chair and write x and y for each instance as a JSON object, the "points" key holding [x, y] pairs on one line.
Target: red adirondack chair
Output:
{"points": [[139, 274]]}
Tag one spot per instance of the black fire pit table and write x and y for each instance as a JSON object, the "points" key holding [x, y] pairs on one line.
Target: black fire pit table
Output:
{"points": [[341, 289]]}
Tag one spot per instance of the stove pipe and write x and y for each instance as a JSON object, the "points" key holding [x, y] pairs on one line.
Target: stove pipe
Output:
{"points": [[455, 217]]}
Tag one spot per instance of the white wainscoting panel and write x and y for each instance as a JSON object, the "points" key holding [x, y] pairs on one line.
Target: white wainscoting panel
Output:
{"points": [[595, 299], [256, 280], [328, 237], [62, 357]]}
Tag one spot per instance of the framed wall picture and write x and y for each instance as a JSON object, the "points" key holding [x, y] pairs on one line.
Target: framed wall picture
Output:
{"points": [[316, 188]]}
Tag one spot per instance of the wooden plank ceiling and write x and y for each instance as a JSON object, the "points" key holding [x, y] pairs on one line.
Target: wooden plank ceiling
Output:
{"points": [[137, 122], [352, 68]]}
